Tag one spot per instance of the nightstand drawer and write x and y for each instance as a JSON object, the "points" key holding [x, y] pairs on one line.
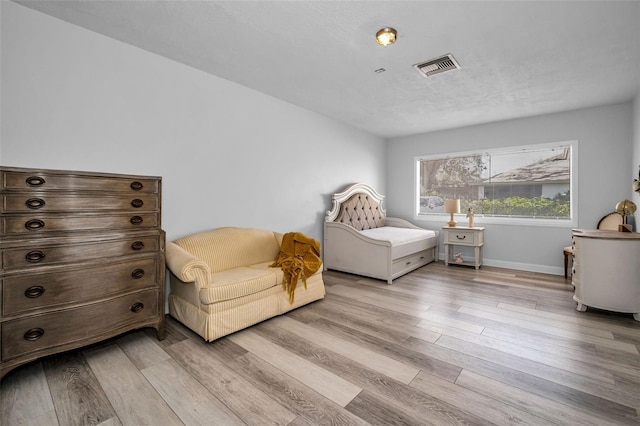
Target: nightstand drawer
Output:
{"points": [[462, 237]]}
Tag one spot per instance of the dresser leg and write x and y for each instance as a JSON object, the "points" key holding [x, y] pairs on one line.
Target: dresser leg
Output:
{"points": [[161, 330]]}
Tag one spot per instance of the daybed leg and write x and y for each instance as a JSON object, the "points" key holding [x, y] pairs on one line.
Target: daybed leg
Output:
{"points": [[390, 281]]}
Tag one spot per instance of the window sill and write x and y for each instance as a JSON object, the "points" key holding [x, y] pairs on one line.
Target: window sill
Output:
{"points": [[511, 221]]}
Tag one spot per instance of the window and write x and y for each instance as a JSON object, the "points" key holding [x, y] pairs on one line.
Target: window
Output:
{"points": [[530, 183]]}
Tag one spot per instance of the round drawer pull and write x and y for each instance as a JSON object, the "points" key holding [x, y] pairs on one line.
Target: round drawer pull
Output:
{"points": [[35, 203], [136, 220], [34, 224], [34, 291], [137, 203], [137, 245], [137, 274], [137, 307], [34, 256], [35, 181], [33, 334], [136, 186]]}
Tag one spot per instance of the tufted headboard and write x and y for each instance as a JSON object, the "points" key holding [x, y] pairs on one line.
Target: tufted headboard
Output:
{"points": [[359, 206]]}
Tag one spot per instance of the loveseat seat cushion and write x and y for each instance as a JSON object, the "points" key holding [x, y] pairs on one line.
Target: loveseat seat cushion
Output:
{"points": [[238, 282], [231, 247]]}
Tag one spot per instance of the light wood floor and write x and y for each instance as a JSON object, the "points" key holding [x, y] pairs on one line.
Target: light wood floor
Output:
{"points": [[442, 346]]}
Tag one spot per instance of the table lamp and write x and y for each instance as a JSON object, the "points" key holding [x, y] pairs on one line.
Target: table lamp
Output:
{"points": [[452, 206], [626, 208]]}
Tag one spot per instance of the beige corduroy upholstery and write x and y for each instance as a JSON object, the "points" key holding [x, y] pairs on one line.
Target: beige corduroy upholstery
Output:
{"points": [[221, 281]]}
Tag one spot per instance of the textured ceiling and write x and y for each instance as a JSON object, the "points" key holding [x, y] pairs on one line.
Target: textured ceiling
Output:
{"points": [[518, 58]]}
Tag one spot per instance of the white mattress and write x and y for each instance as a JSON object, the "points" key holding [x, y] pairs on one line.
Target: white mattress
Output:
{"points": [[398, 236]]}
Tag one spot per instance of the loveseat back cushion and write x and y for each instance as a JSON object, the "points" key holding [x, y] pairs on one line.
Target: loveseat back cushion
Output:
{"points": [[231, 247], [361, 212]]}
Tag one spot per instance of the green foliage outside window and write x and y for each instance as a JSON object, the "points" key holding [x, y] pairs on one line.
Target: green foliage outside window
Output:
{"points": [[541, 207]]}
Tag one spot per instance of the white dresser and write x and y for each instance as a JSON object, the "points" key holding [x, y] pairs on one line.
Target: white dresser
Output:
{"points": [[606, 270]]}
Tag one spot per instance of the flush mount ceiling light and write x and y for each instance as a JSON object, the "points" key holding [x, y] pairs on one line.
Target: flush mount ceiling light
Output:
{"points": [[386, 36]]}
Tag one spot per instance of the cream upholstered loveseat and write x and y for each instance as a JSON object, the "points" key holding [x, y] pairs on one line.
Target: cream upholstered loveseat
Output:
{"points": [[221, 280], [360, 239]]}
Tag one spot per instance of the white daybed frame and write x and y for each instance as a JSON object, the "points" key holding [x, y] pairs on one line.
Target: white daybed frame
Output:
{"points": [[346, 249]]}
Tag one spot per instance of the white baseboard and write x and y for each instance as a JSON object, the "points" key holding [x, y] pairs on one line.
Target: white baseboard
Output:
{"points": [[530, 267]]}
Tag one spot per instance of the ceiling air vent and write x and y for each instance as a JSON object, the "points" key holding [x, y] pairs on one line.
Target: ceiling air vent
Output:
{"points": [[437, 65]]}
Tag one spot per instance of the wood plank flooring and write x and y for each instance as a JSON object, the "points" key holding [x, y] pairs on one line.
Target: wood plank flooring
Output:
{"points": [[441, 346]]}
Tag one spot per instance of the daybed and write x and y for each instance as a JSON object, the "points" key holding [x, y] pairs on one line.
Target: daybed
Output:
{"points": [[222, 280], [360, 239]]}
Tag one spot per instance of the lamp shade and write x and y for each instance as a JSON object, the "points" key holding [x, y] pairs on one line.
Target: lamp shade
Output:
{"points": [[626, 207], [452, 206]]}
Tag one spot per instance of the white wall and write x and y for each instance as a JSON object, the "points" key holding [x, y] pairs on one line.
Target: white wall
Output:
{"points": [[604, 137], [74, 99], [635, 158]]}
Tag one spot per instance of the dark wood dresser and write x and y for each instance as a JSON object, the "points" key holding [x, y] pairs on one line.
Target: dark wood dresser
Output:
{"points": [[82, 260]]}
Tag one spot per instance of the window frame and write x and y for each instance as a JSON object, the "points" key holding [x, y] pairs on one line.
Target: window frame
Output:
{"points": [[480, 219]]}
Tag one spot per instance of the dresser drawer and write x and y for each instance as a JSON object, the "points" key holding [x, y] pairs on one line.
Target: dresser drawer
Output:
{"points": [[49, 290], [33, 225], [82, 324], [76, 181], [34, 256], [43, 202], [462, 237]]}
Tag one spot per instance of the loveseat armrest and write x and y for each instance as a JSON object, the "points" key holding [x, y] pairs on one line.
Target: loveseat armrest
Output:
{"points": [[186, 267]]}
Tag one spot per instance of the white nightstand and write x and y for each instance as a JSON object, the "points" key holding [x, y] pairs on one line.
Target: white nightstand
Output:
{"points": [[463, 236]]}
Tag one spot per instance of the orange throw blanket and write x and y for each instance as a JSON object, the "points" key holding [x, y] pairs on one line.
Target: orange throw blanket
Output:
{"points": [[299, 257]]}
